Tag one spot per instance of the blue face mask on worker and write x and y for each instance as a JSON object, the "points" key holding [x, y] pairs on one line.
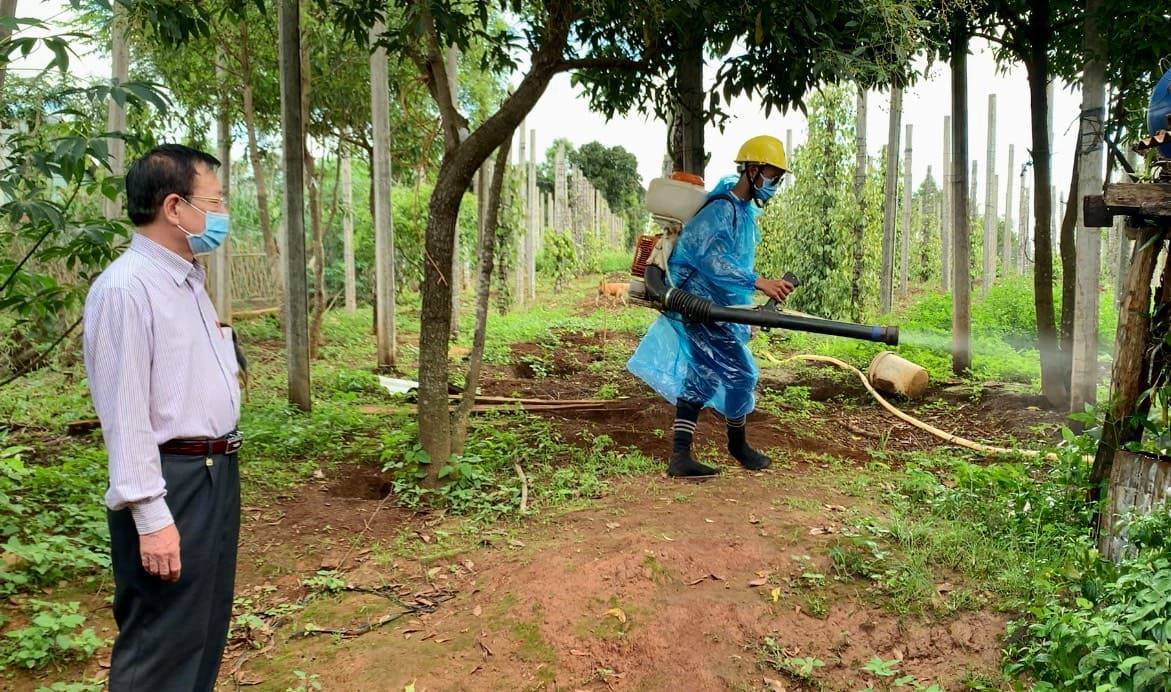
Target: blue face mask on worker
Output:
{"points": [[215, 230], [766, 189]]}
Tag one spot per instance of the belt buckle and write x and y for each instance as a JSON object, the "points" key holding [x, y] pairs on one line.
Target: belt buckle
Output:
{"points": [[234, 441]]}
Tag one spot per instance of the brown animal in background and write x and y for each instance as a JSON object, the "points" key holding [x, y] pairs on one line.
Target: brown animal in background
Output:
{"points": [[618, 290]]}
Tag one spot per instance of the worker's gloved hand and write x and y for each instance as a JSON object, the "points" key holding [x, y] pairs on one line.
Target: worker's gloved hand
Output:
{"points": [[777, 290]]}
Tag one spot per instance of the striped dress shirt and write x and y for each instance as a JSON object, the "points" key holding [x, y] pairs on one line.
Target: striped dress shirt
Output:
{"points": [[160, 368]]}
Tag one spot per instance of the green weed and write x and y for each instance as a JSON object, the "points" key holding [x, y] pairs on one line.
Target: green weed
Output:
{"points": [[55, 633]]}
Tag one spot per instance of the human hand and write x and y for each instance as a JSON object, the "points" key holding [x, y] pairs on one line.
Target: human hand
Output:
{"points": [[777, 290], [159, 552]]}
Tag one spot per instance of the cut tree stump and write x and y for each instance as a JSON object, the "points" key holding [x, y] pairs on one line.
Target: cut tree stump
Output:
{"points": [[1139, 483]]}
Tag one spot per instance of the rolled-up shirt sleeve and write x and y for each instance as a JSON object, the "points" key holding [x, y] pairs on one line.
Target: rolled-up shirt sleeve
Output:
{"points": [[117, 345]]}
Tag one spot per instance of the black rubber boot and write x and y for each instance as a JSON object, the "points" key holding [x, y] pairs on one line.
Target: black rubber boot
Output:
{"points": [[682, 465], [739, 448]]}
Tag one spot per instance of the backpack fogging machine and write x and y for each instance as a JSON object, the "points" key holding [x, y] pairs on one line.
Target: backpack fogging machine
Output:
{"points": [[672, 202]]}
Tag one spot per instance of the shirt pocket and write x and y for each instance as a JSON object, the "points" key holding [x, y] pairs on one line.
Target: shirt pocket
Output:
{"points": [[227, 351]]}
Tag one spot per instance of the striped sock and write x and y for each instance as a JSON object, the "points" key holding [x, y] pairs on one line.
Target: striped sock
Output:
{"points": [[740, 449], [686, 415], [681, 462]]}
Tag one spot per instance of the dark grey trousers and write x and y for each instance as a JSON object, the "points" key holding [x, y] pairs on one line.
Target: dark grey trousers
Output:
{"points": [[171, 635]]}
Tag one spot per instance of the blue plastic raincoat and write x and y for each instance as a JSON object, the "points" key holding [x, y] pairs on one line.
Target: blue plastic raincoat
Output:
{"points": [[708, 364]]}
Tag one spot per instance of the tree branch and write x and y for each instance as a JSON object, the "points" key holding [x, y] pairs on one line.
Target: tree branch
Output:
{"points": [[486, 254], [599, 64], [40, 359], [440, 84], [989, 38]]}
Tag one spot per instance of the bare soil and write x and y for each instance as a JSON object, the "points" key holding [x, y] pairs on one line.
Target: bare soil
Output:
{"points": [[660, 585]]}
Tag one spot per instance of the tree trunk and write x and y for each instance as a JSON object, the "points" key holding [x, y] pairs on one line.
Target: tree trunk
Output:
{"points": [[485, 258], [380, 199], [690, 156], [460, 161], [1053, 383], [989, 273], [1084, 379], [296, 326], [860, 160], [890, 199], [908, 191], [270, 243], [945, 228], [961, 320], [1069, 272], [116, 112], [451, 65]]}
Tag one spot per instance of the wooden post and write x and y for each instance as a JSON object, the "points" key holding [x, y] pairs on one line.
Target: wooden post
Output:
{"points": [[348, 233], [297, 322], [220, 289], [116, 113], [1139, 483], [1124, 250], [384, 279], [990, 200], [789, 151], [1091, 151], [1023, 250], [905, 259], [860, 165], [531, 225], [890, 200], [1055, 223], [945, 222], [974, 204], [520, 286], [1006, 258], [961, 320], [1130, 346], [560, 193]]}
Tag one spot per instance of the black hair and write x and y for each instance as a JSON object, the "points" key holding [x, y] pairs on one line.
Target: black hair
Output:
{"points": [[165, 170]]}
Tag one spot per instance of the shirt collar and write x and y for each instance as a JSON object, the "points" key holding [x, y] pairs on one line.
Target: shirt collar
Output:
{"points": [[178, 268]]}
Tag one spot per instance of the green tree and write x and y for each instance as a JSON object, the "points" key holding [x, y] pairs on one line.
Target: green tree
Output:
{"points": [[54, 177]]}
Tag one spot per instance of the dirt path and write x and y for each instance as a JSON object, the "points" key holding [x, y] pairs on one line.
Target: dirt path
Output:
{"points": [[663, 585], [660, 585]]}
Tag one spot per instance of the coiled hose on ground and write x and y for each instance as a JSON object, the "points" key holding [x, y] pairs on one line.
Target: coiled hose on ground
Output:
{"points": [[927, 427]]}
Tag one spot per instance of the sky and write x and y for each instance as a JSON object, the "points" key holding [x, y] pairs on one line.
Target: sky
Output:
{"points": [[563, 112]]}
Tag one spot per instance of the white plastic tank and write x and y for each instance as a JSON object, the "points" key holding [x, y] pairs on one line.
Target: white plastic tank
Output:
{"points": [[893, 374], [677, 197]]}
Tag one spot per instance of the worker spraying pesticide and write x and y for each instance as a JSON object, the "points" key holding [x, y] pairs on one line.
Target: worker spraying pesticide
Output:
{"points": [[697, 364]]}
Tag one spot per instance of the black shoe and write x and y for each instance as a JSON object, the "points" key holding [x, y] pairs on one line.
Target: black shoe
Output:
{"points": [[739, 448], [749, 458], [683, 466]]}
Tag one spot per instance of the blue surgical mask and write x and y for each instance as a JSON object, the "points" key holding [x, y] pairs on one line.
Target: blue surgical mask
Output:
{"points": [[215, 230], [769, 188]]}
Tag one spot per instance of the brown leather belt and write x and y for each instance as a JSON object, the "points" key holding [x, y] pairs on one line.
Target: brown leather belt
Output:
{"points": [[206, 447]]}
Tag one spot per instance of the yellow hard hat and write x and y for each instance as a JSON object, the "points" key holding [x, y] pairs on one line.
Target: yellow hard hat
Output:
{"points": [[763, 149]]}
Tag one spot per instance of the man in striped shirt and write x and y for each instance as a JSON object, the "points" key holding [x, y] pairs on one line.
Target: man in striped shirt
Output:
{"points": [[162, 374]]}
